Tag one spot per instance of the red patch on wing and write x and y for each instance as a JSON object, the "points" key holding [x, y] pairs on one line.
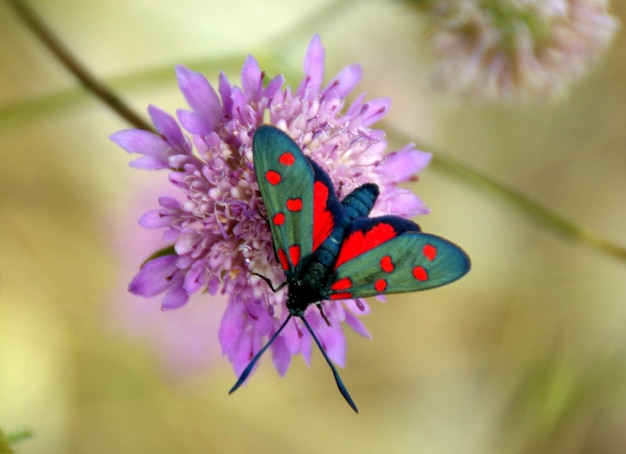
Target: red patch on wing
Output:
{"points": [[360, 242], [294, 204], [420, 273], [430, 252], [386, 264], [323, 222], [381, 285], [273, 177], [294, 254], [279, 219], [287, 158], [282, 258], [342, 284], [341, 296]]}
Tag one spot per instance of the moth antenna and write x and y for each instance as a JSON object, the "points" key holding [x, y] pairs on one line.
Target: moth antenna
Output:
{"points": [[250, 366], [342, 389]]}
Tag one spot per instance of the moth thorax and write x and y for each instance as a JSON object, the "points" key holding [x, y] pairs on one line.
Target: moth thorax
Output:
{"points": [[308, 288]]}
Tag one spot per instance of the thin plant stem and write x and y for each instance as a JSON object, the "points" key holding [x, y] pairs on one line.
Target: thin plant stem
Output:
{"points": [[523, 204], [39, 28]]}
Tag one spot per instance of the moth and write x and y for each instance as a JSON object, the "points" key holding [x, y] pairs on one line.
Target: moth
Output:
{"points": [[330, 249]]}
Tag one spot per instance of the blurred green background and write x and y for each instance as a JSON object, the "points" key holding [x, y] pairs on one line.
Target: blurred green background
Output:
{"points": [[526, 354]]}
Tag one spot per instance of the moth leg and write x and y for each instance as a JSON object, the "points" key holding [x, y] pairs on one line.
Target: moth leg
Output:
{"points": [[319, 306], [339, 189], [268, 282]]}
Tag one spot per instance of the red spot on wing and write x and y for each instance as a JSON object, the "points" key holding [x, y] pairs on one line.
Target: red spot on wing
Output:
{"points": [[342, 284], [381, 285], [279, 218], [430, 252], [273, 177], [420, 273], [287, 158], [360, 242], [282, 258], [294, 254], [294, 204], [323, 221], [386, 264], [341, 296]]}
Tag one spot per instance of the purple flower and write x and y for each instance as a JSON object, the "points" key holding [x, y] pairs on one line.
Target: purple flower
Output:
{"points": [[217, 225]]}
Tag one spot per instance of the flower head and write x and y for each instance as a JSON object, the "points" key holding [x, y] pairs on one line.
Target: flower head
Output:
{"points": [[217, 224], [516, 49]]}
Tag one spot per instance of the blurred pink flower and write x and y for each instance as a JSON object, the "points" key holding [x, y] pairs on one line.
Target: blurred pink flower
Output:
{"points": [[512, 50]]}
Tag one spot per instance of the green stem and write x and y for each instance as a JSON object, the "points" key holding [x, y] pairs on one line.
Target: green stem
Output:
{"points": [[545, 216], [28, 16]]}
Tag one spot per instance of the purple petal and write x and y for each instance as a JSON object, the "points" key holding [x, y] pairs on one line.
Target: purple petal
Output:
{"points": [[169, 203], [225, 93], [171, 235], [195, 277], [403, 203], [273, 86], [149, 163], [306, 345], [176, 296], [373, 111], [186, 244], [313, 69], [202, 98], [258, 312], [343, 83], [213, 285], [356, 106], [332, 340], [292, 337], [183, 262], [335, 342], [178, 161], [281, 356], [144, 142], [249, 344], [251, 79], [155, 219], [355, 323], [193, 122], [242, 111], [167, 126], [154, 277], [357, 306], [242, 352], [232, 326], [405, 163]]}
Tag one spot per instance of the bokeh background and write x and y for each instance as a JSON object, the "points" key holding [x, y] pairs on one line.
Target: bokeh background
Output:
{"points": [[526, 354]]}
